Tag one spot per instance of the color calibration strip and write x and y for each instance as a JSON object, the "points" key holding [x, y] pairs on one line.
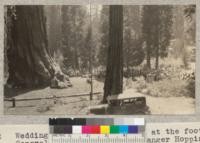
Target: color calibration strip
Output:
{"points": [[97, 126], [96, 121]]}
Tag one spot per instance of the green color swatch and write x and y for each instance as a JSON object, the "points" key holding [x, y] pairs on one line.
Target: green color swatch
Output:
{"points": [[114, 129]]}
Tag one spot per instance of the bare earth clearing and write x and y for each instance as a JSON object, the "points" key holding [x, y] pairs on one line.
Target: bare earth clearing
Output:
{"points": [[79, 105]]}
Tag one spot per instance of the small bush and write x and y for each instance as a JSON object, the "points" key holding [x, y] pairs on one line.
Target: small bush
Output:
{"points": [[185, 59], [191, 88], [140, 84], [165, 88]]}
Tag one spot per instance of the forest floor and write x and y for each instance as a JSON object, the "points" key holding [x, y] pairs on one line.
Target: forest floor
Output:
{"points": [[79, 105]]}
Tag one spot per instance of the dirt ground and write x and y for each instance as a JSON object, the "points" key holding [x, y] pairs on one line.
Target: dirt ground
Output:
{"points": [[80, 105]]}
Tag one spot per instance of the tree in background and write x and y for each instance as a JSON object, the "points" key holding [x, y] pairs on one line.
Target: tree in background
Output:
{"points": [[132, 44], [95, 18], [87, 51], [73, 28], [104, 26], [163, 32], [190, 26], [29, 60], [157, 23], [132, 50], [184, 34], [178, 31], [114, 72], [148, 19], [54, 31], [190, 14], [66, 34]]}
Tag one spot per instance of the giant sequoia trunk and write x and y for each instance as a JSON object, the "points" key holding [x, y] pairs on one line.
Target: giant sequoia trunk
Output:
{"points": [[114, 72], [29, 60]]}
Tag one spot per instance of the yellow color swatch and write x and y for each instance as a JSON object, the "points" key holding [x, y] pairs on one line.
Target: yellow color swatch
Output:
{"points": [[105, 129]]}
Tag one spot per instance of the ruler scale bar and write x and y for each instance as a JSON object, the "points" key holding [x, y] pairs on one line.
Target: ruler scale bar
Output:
{"points": [[103, 139]]}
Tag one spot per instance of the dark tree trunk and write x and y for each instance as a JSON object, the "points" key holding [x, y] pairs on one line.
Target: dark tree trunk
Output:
{"points": [[148, 57], [29, 60], [114, 72], [8, 15], [157, 48], [157, 58], [76, 61]]}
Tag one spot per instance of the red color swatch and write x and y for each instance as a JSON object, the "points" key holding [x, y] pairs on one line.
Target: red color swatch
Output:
{"points": [[95, 130], [90, 129]]}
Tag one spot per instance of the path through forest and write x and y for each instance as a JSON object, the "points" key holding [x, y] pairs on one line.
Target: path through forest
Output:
{"points": [[79, 105]]}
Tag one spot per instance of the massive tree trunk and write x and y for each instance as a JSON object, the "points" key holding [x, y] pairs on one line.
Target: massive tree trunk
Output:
{"points": [[29, 60], [114, 72]]}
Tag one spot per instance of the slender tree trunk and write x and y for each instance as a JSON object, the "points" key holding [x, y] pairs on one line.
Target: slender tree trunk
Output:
{"points": [[157, 48], [90, 60], [76, 61], [157, 58], [148, 56], [30, 62], [114, 72], [128, 70]]}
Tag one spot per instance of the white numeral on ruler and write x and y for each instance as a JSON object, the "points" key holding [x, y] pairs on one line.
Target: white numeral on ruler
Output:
{"points": [[97, 139]]}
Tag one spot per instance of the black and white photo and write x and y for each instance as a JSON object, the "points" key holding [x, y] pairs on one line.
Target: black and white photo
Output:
{"points": [[99, 59]]}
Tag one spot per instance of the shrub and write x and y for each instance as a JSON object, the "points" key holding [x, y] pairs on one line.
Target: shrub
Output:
{"points": [[166, 88], [191, 88], [140, 83], [185, 59]]}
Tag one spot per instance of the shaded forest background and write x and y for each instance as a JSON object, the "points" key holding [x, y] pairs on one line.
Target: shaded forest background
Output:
{"points": [[74, 40]]}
